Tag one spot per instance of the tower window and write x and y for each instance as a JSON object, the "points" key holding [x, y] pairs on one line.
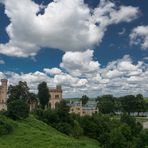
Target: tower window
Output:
{"points": [[57, 96]]}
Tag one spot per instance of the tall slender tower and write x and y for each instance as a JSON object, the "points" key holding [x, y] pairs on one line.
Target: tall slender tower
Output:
{"points": [[4, 90], [3, 94]]}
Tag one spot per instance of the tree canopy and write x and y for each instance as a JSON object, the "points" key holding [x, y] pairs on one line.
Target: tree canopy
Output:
{"points": [[43, 94]]}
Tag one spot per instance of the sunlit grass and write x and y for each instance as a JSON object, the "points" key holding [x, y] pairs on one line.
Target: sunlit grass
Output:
{"points": [[32, 133]]}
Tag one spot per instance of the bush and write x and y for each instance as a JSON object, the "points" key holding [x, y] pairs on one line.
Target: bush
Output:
{"points": [[77, 130], [18, 110], [136, 127], [142, 141], [64, 128], [5, 127]]}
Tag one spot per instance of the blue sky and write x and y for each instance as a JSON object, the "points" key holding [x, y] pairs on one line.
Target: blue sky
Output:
{"points": [[99, 47]]}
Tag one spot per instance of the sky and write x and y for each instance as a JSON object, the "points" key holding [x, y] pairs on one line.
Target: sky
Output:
{"points": [[91, 47]]}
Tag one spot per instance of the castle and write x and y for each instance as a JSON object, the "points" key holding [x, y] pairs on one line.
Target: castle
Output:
{"points": [[88, 109], [3, 94], [55, 96]]}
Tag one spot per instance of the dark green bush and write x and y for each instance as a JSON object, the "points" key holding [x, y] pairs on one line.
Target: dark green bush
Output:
{"points": [[77, 130], [5, 127], [18, 109], [64, 128]]}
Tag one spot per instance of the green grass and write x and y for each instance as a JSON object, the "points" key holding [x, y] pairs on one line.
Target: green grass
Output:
{"points": [[146, 99], [142, 119], [32, 133]]}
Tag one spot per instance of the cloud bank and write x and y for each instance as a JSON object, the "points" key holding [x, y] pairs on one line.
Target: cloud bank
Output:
{"points": [[119, 77]]}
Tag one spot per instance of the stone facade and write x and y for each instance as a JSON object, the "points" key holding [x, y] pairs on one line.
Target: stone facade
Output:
{"points": [[55, 96], [3, 94]]}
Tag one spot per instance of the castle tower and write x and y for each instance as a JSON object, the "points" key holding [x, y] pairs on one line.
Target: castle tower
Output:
{"points": [[3, 94], [55, 96]]}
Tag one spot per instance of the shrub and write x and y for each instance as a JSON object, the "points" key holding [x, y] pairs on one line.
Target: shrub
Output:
{"points": [[64, 128], [142, 141], [77, 130], [18, 109], [5, 126], [136, 127]]}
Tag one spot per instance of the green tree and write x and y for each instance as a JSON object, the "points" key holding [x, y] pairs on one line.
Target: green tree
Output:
{"points": [[77, 130], [84, 99], [62, 110], [18, 109], [43, 94], [128, 104], [140, 104], [136, 127], [142, 141], [106, 104], [117, 139], [18, 92]]}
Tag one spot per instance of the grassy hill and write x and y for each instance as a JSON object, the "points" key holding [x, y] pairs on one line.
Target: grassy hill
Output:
{"points": [[32, 133]]}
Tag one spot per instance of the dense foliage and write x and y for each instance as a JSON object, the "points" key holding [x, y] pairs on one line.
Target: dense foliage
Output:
{"points": [[18, 99], [110, 132], [127, 104], [18, 109], [43, 94], [106, 104], [84, 99], [5, 126], [18, 92], [61, 119]]}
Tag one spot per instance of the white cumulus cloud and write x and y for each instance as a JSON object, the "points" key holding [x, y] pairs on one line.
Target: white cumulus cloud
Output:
{"points": [[78, 77], [139, 36], [79, 63], [68, 25], [52, 71]]}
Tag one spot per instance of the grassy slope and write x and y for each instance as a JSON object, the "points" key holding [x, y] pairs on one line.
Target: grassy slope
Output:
{"points": [[32, 133]]}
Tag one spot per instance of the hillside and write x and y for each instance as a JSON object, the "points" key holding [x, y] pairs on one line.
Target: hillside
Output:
{"points": [[32, 133]]}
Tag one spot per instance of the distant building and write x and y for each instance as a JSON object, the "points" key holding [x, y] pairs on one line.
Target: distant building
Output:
{"points": [[3, 94], [88, 109], [55, 96]]}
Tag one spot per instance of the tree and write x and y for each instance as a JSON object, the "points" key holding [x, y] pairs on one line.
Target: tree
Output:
{"points": [[62, 110], [128, 104], [117, 139], [106, 104], [143, 139], [84, 99], [18, 92], [140, 104], [77, 130], [43, 94], [18, 109], [136, 127]]}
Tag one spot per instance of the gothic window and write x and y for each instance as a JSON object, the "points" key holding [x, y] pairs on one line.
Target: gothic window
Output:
{"points": [[57, 96]]}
